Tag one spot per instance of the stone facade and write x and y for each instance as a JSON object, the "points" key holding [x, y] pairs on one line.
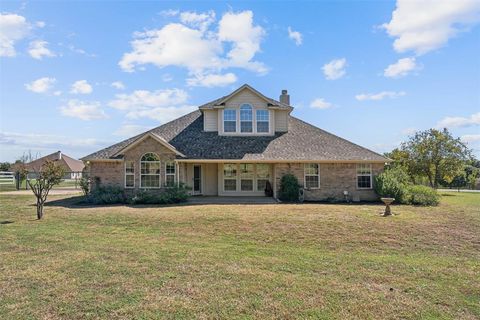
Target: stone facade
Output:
{"points": [[335, 178], [108, 173]]}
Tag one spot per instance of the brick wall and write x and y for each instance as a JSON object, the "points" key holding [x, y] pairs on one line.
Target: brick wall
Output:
{"points": [[334, 179]]}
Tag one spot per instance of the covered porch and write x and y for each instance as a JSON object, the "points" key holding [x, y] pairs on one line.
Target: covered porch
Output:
{"points": [[227, 179]]}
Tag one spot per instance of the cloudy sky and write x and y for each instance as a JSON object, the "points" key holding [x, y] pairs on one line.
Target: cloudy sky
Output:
{"points": [[77, 77]]}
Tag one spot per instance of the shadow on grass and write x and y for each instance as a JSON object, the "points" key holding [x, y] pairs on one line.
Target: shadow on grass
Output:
{"points": [[6, 222]]}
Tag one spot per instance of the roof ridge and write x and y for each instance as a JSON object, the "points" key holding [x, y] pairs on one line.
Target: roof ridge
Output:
{"points": [[336, 136]]}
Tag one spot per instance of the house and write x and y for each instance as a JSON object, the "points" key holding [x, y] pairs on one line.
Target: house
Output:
{"points": [[234, 146], [73, 168]]}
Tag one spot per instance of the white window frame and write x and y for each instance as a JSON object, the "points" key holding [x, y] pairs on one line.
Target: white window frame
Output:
{"points": [[305, 175], [151, 174], [174, 174], [253, 176], [251, 120], [257, 121], [230, 178], [257, 178], [236, 122], [129, 174], [362, 166]]}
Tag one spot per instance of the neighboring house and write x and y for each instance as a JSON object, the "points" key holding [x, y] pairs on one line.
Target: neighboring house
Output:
{"points": [[232, 146], [73, 168]]}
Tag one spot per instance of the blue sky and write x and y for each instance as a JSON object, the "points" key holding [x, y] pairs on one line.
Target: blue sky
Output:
{"points": [[79, 76]]}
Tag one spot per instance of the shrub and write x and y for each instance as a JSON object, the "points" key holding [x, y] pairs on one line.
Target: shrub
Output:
{"points": [[174, 194], [393, 184], [106, 195], [423, 196], [289, 188], [84, 185]]}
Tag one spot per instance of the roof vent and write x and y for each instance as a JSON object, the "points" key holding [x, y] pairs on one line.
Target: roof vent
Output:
{"points": [[285, 97], [59, 155]]}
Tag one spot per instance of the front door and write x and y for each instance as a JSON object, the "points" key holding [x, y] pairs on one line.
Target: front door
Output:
{"points": [[197, 179]]}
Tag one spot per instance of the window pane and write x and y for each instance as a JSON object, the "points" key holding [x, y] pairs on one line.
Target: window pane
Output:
{"points": [[170, 168], [262, 115], [246, 185], [230, 184], [311, 181], [311, 168], [246, 113], [364, 168], [364, 182], [230, 115], [150, 181], [262, 126], [170, 180], [150, 157], [261, 184], [263, 171], [150, 167], [246, 126], [129, 167], [230, 126], [229, 170], [246, 170], [129, 181]]}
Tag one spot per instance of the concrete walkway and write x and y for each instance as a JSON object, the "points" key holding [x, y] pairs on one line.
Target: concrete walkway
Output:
{"points": [[455, 190], [230, 200]]}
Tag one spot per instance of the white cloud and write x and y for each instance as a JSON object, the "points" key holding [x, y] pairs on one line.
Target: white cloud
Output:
{"points": [[83, 110], [197, 44], [379, 96], [130, 130], [400, 68], [40, 24], [81, 87], [38, 49], [57, 93], [295, 36], [12, 29], [321, 104], [423, 26], [41, 85], [198, 20], [118, 85], [470, 138], [169, 13], [212, 80], [409, 131], [161, 105], [455, 122], [335, 69]]}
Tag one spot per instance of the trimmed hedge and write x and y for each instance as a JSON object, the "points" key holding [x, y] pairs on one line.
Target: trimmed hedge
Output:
{"points": [[289, 188], [423, 196]]}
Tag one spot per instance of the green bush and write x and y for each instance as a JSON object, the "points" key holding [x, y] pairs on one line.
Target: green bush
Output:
{"points": [[106, 195], [173, 194], [423, 196], [392, 183], [289, 188], [84, 185]]}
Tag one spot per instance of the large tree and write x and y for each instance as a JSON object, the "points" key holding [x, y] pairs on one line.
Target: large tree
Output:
{"points": [[49, 175], [432, 154]]}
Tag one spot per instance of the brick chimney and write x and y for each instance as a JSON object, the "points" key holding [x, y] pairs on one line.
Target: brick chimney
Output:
{"points": [[285, 97]]}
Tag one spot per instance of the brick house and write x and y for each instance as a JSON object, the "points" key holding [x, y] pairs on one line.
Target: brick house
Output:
{"points": [[235, 146]]}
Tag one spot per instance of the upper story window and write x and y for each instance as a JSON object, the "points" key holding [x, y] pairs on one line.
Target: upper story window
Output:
{"points": [[150, 171], [263, 119], [229, 120], [246, 118]]}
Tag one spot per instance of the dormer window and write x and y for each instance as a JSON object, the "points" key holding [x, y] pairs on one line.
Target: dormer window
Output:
{"points": [[246, 118], [263, 120], [230, 120]]}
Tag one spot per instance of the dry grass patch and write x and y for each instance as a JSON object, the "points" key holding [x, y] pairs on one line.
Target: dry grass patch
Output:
{"points": [[240, 261]]}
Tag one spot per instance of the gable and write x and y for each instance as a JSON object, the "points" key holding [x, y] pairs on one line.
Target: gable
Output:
{"points": [[245, 96]]}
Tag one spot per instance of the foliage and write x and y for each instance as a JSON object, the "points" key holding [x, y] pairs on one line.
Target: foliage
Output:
{"points": [[84, 185], [433, 154], [289, 188], [173, 194], [423, 196], [49, 175], [268, 189], [106, 194], [5, 166], [392, 183]]}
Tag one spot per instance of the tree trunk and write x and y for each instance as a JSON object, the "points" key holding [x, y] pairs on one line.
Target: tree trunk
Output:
{"points": [[39, 210]]}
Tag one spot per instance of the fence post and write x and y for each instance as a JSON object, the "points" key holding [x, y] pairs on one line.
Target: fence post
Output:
{"points": [[17, 180]]}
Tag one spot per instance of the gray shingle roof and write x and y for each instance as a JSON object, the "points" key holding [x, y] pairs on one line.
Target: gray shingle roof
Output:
{"points": [[303, 141]]}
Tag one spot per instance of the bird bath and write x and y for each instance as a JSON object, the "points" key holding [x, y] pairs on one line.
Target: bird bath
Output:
{"points": [[387, 202]]}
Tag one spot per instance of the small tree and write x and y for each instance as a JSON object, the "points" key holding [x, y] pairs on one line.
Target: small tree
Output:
{"points": [[289, 188], [49, 175]]}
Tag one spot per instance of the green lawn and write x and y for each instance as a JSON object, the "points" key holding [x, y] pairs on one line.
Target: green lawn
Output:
{"points": [[312, 261]]}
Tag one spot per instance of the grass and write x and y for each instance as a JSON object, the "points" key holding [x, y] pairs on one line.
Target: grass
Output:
{"points": [[310, 261]]}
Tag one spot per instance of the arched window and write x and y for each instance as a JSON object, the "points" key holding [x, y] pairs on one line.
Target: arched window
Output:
{"points": [[246, 118], [150, 171]]}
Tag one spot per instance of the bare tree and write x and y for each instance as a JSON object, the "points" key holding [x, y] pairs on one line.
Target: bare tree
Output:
{"points": [[49, 175]]}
